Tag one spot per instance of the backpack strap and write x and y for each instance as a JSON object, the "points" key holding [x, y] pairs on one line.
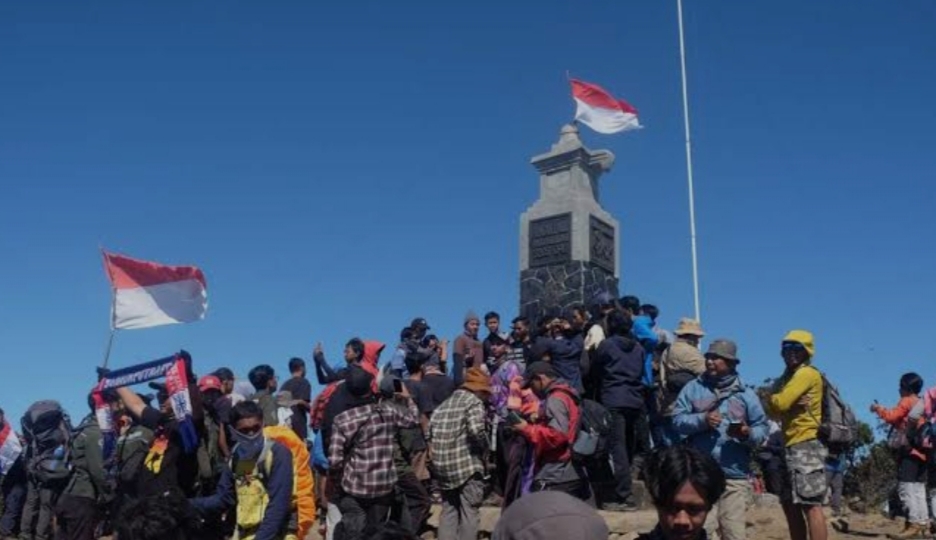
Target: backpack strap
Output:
{"points": [[265, 462], [572, 402]]}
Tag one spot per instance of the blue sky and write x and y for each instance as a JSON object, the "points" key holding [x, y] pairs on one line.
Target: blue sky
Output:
{"points": [[338, 168]]}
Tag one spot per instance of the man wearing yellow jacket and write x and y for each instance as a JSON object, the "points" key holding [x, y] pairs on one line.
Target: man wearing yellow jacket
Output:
{"points": [[796, 401]]}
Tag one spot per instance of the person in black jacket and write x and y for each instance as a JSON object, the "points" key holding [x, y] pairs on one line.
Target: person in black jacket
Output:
{"points": [[619, 366]]}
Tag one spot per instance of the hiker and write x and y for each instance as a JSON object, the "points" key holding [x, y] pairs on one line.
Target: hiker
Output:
{"points": [[88, 492], [718, 415], [618, 366], [684, 485], [12, 479], [301, 392], [228, 381], [911, 461], [459, 439], [467, 351], [495, 344], [436, 350], [596, 330], [520, 341], [360, 456], [397, 361], [434, 386], [356, 353], [836, 465], [163, 517], [796, 401], [553, 434], [681, 363], [46, 430], [648, 339], [263, 380], [550, 515]]}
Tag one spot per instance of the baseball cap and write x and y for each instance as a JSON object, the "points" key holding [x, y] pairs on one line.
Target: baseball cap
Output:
{"points": [[209, 382], [536, 369], [420, 322]]}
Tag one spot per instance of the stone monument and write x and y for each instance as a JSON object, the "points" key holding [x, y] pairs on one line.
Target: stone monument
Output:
{"points": [[568, 242]]}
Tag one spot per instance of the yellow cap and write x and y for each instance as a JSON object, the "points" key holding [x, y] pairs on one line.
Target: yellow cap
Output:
{"points": [[804, 338]]}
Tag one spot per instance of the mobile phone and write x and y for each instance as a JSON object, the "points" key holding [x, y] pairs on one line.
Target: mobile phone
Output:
{"points": [[398, 386], [513, 418]]}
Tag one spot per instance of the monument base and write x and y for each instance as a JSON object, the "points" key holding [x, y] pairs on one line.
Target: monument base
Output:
{"points": [[561, 286]]}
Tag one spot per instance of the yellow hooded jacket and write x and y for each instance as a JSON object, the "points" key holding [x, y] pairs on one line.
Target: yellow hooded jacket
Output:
{"points": [[799, 424]]}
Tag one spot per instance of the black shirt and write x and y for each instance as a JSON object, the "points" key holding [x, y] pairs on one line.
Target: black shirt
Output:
{"points": [[301, 390], [433, 390]]}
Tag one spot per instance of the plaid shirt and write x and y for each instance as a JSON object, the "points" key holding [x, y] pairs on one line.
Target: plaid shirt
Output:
{"points": [[459, 439], [362, 444]]}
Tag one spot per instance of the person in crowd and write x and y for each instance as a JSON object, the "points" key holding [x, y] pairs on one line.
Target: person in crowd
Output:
{"points": [[88, 492], [596, 330], [166, 516], [398, 360], [648, 339], [436, 350], [663, 335], [300, 389], [495, 344], [434, 386], [12, 487], [836, 465], [228, 381], [684, 485], [520, 341], [36, 521], [420, 328], [459, 438], [467, 351], [365, 354], [619, 365], [361, 460], [263, 379], [553, 435], [770, 458], [215, 447], [681, 363], [796, 401], [911, 461], [548, 515], [718, 415]]}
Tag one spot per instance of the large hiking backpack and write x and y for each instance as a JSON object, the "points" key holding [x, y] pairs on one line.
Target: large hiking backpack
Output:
{"points": [[48, 429], [132, 450], [838, 427], [594, 428]]}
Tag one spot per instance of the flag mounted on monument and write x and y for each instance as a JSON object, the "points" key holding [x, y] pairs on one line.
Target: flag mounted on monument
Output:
{"points": [[601, 111], [151, 294]]}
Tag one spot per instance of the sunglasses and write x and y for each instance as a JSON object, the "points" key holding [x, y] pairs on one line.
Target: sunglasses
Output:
{"points": [[793, 346]]}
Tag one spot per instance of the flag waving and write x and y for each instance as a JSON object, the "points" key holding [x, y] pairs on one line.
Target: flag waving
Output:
{"points": [[601, 111], [151, 294]]}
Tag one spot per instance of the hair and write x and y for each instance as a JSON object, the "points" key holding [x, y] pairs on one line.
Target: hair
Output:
{"points": [[110, 396], [388, 531], [407, 334], [245, 409], [581, 309], [525, 321], [668, 469], [415, 361], [650, 311], [539, 351], [261, 376], [911, 383], [491, 315], [296, 364], [357, 346], [224, 374], [161, 517], [631, 303], [620, 323]]}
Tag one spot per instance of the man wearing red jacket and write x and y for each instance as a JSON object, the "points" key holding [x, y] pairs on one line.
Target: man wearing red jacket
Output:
{"points": [[553, 436]]}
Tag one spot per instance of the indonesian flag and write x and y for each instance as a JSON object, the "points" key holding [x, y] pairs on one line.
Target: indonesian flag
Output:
{"points": [[151, 294], [10, 448], [601, 111]]}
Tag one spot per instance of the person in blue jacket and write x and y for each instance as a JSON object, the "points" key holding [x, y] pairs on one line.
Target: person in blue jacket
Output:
{"points": [[718, 415]]}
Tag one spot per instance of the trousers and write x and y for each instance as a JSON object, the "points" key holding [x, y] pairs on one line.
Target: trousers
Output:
{"points": [[913, 498], [726, 521], [38, 511], [77, 518], [358, 513], [461, 511], [14, 497]]}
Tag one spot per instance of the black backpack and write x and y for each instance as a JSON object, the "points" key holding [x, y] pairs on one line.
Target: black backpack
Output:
{"points": [[48, 429], [594, 429]]}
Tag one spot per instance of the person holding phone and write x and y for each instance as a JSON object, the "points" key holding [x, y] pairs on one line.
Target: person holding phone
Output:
{"points": [[718, 415]]}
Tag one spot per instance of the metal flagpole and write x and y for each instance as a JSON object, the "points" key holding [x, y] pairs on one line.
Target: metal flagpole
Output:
{"points": [[692, 225]]}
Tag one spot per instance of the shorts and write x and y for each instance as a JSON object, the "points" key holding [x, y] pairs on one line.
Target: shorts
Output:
{"points": [[805, 482]]}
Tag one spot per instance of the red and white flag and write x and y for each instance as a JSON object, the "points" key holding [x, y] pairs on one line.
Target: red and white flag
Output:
{"points": [[10, 447], [151, 294], [601, 111]]}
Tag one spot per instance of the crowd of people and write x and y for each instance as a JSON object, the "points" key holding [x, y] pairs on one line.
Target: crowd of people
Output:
{"points": [[553, 417]]}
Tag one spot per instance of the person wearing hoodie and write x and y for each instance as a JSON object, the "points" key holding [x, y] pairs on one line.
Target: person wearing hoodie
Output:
{"points": [[548, 515], [619, 366], [554, 433], [681, 363], [365, 354], [467, 351], [718, 415], [911, 462]]}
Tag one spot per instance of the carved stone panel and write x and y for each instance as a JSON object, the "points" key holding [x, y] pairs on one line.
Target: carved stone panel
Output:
{"points": [[551, 240], [602, 244]]}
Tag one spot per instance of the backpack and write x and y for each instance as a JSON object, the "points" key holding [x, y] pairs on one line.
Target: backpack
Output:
{"points": [[47, 427], [594, 428], [208, 453], [318, 406], [132, 450], [838, 427]]}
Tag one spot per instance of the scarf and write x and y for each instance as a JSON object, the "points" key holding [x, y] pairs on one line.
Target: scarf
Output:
{"points": [[177, 385]]}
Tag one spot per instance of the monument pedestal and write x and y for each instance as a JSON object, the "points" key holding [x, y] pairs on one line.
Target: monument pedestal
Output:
{"points": [[568, 242]]}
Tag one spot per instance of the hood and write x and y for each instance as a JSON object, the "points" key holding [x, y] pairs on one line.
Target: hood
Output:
{"points": [[547, 515], [627, 344], [372, 350]]}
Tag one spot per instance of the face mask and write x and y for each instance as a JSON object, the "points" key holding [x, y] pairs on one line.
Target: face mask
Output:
{"points": [[248, 446]]}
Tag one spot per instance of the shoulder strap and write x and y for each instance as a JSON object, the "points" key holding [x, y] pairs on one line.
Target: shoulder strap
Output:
{"points": [[266, 459]]}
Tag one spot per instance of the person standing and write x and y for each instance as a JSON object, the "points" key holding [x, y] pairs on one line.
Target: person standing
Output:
{"points": [[301, 391], [467, 351], [796, 401], [263, 379], [718, 415], [459, 438], [681, 363]]}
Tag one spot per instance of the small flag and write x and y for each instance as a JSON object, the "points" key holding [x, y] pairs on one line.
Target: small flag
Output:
{"points": [[151, 294], [10, 447], [601, 111]]}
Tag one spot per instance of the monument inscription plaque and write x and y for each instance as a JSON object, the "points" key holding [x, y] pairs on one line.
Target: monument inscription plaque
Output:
{"points": [[602, 244], [551, 240]]}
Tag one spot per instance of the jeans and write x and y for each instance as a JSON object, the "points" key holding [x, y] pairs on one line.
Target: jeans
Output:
{"points": [[461, 511], [14, 497], [413, 504], [77, 518], [37, 514], [726, 520], [358, 513], [622, 444], [913, 497]]}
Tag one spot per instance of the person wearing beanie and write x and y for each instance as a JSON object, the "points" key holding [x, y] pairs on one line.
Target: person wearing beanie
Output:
{"points": [[550, 514], [796, 402], [459, 441], [468, 351]]}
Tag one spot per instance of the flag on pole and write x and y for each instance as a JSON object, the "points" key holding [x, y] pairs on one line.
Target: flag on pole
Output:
{"points": [[10, 447], [599, 110], [151, 294]]}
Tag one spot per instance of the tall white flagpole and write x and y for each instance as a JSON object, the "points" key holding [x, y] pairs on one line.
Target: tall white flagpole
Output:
{"points": [[692, 226]]}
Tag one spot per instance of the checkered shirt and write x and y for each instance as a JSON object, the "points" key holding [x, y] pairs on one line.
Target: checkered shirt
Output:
{"points": [[458, 439]]}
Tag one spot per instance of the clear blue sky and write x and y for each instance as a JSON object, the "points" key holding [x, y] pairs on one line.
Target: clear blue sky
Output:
{"points": [[338, 168]]}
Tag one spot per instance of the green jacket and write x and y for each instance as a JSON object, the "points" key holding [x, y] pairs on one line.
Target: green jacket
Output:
{"points": [[88, 479]]}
